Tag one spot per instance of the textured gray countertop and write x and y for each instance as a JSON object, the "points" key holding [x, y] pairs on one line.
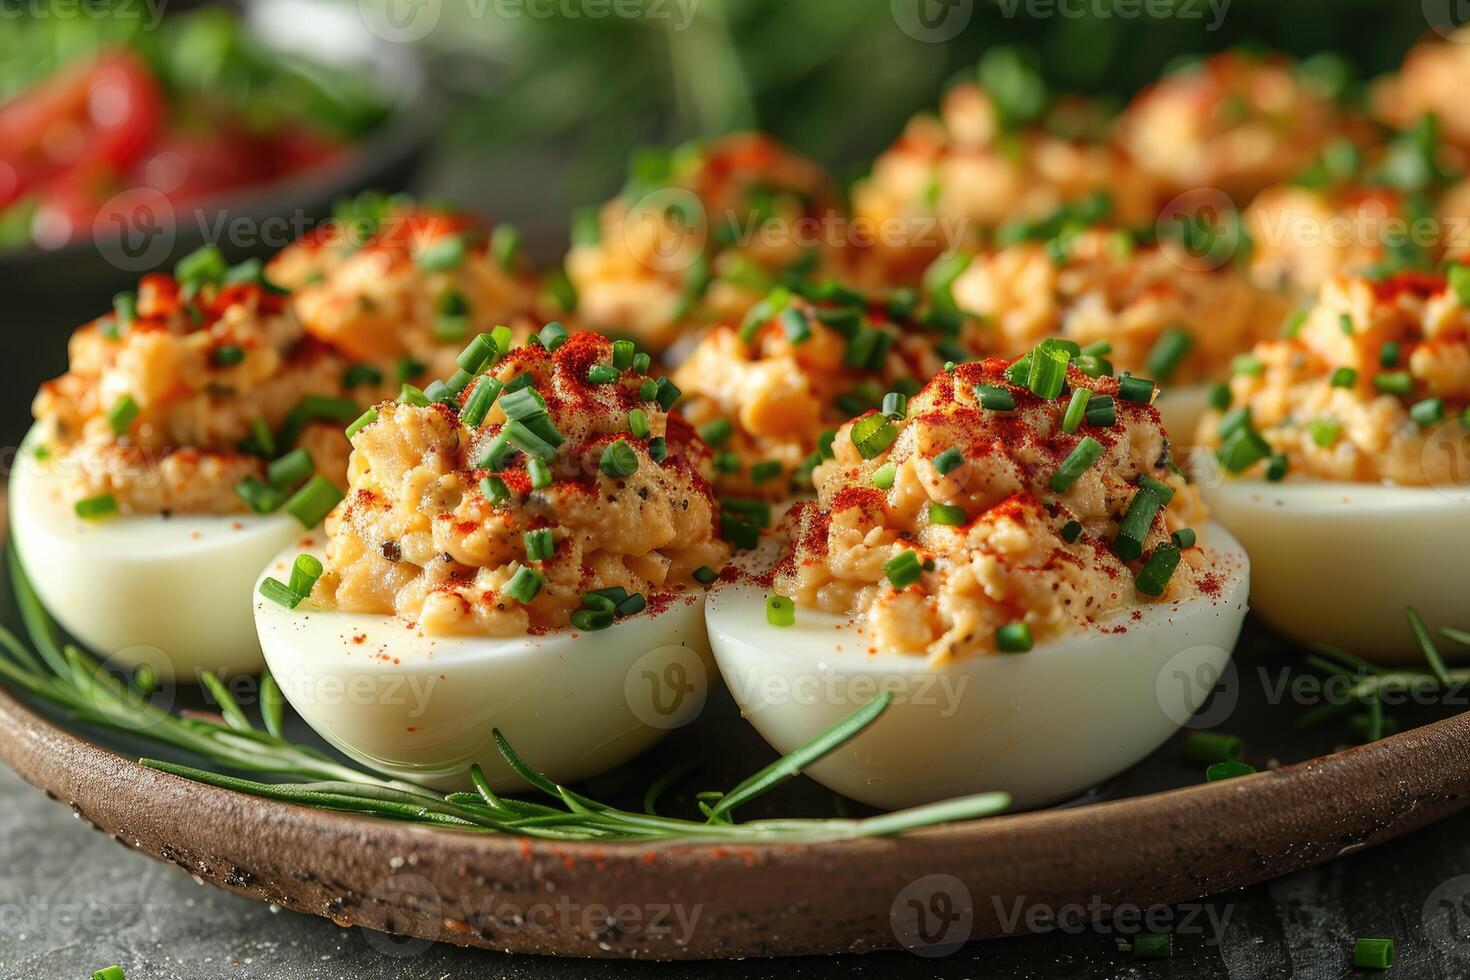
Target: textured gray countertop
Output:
{"points": [[72, 901]]}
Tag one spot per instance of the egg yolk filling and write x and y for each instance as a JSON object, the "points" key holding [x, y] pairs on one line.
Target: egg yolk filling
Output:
{"points": [[1163, 317], [989, 512], [768, 396], [554, 489], [1368, 388], [192, 387]]}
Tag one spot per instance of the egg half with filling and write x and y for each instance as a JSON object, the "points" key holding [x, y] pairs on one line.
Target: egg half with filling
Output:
{"points": [[526, 553], [1044, 599], [196, 434], [1341, 463]]}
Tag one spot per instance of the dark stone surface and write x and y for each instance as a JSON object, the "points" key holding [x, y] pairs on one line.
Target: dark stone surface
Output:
{"points": [[73, 900]]}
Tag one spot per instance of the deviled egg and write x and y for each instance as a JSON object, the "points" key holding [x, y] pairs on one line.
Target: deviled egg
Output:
{"points": [[1020, 564], [1340, 462], [697, 236], [196, 433], [1143, 307], [525, 553]]}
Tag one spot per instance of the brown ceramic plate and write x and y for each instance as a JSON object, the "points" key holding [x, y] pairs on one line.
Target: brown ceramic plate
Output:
{"points": [[1153, 835]]}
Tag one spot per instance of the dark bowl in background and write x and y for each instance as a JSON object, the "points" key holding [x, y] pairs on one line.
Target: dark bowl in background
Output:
{"points": [[48, 294]]}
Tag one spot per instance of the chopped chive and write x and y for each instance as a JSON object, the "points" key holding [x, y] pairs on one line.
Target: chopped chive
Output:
{"points": [[1071, 531], [1184, 538], [228, 355], [740, 534], [1228, 770], [522, 404], [1376, 954], [1098, 348], [632, 606], [1076, 410], [478, 354], [1345, 324], [495, 490], [1169, 352], [780, 611], [825, 439], [540, 473], [948, 460], [705, 575], [658, 449], [1219, 396], [1248, 364], [280, 593], [313, 502], [618, 460], [1134, 527], [125, 309], [995, 398], [666, 393], [1234, 420], [795, 324], [304, 573], [1047, 375], [121, 414], [947, 515], [1242, 449], [1093, 367], [477, 406], [1276, 468], [602, 374], [258, 496], [1207, 748], [440, 393], [716, 432], [409, 395], [524, 585], [1388, 354], [539, 543], [754, 512], [528, 440], [501, 335], [1324, 432], [884, 475], [641, 363], [205, 264], [591, 621], [1344, 377], [1394, 383], [872, 434], [1293, 324], [97, 507], [765, 470], [1162, 490], [553, 335], [443, 255], [505, 245], [262, 441], [1077, 462], [623, 352], [727, 463], [449, 327], [291, 470], [895, 405], [1427, 412], [1153, 945], [638, 423], [1132, 389], [357, 375], [1014, 638], [903, 569], [1101, 411]]}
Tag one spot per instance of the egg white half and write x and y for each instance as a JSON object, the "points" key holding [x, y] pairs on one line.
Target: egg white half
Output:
{"points": [[421, 708], [1338, 562], [1042, 726], [171, 592]]}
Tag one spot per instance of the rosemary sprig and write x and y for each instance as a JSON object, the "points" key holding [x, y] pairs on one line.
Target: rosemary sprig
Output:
{"points": [[68, 677]]}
